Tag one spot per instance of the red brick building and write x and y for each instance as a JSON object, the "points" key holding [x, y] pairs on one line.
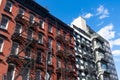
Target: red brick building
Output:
{"points": [[34, 45]]}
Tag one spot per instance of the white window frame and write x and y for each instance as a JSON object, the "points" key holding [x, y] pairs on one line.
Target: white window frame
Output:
{"points": [[33, 18], [40, 40], [28, 74], [50, 28], [31, 34], [49, 43], [42, 25], [58, 46], [13, 75], [9, 6], [39, 74], [39, 51], [6, 25], [17, 49], [21, 10], [50, 58], [20, 28], [29, 52], [1, 48], [47, 76]]}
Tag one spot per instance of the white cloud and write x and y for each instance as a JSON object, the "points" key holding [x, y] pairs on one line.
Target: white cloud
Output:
{"points": [[116, 52], [102, 12], [88, 15], [107, 32], [100, 23]]}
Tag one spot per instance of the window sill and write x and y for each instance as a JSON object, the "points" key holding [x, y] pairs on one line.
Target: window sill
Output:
{"points": [[10, 12], [1, 53], [4, 30]]}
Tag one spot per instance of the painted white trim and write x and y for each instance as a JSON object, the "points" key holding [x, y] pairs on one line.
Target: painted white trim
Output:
{"points": [[0, 2], [2, 45], [13, 73]]}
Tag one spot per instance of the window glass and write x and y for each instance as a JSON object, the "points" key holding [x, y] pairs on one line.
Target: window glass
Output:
{"points": [[50, 28], [29, 34], [4, 22], [31, 18], [8, 6], [39, 56], [42, 24], [38, 75], [18, 28], [58, 46], [21, 11], [50, 43], [10, 72], [25, 74], [40, 40], [49, 58], [28, 52], [15, 48]]}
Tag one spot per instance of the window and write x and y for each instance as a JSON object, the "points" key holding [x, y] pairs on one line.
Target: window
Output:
{"points": [[21, 11], [104, 66], [39, 57], [57, 31], [64, 35], [15, 48], [106, 78], [49, 58], [31, 18], [58, 62], [40, 40], [27, 52], [58, 46], [10, 72], [38, 75], [49, 43], [8, 6], [1, 44], [42, 24], [70, 38], [48, 76], [50, 28], [25, 74], [18, 28], [4, 22], [29, 34], [78, 61]]}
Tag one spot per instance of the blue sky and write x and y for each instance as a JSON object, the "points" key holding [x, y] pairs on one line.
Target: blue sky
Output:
{"points": [[101, 15]]}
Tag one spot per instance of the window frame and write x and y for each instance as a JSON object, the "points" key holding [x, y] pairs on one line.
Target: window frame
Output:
{"points": [[57, 46], [4, 26], [40, 38], [28, 52], [23, 11], [38, 75], [49, 57], [50, 28], [13, 72], [50, 43], [8, 7], [2, 44], [16, 48], [31, 18], [39, 56], [28, 74], [16, 28], [41, 26], [30, 37]]}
